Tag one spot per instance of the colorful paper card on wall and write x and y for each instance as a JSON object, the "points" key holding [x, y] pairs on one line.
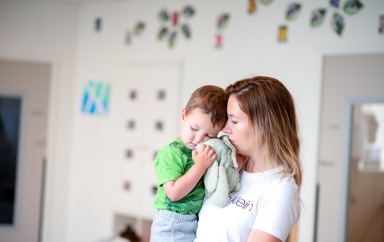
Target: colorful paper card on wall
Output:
{"points": [[173, 23], [334, 3], [221, 24], [252, 6], [136, 32], [96, 98], [98, 24], [351, 7], [337, 23], [293, 11], [266, 2], [283, 32], [317, 17], [222, 21], [381, 24], [139, 28]]}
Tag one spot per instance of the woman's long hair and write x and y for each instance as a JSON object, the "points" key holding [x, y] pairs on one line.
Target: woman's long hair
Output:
{"points": [[271, 109]]}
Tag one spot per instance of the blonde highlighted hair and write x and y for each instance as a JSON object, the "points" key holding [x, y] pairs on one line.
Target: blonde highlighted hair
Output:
{"points": [[271, 111]]}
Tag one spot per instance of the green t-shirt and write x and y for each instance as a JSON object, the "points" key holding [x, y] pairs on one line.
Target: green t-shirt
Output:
{"points": [[173, 161]]}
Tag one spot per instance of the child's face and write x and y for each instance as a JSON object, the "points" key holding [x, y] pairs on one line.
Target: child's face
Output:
{"points": [[197, 127]]}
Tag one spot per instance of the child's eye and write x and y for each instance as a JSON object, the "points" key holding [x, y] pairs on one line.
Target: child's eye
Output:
{"points": [[234, 122], [194, 129]]}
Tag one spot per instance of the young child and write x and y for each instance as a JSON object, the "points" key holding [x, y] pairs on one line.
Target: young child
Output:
{"points": [[179, 168]]}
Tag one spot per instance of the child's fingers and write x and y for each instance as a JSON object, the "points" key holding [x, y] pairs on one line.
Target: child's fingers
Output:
{"points": [[214, 156], [194, 153]]}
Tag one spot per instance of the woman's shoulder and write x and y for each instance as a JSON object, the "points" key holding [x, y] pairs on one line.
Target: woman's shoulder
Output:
{"points": [[280, 181]]}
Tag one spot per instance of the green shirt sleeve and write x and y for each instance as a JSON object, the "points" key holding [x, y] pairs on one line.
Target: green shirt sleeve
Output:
{"points": [[169, 165]]}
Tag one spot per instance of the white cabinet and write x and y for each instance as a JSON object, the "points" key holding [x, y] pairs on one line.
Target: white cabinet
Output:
{"points": [[145, 108]]}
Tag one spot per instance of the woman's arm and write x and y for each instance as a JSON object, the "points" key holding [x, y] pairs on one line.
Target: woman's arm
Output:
{"points": [[260, 236]]}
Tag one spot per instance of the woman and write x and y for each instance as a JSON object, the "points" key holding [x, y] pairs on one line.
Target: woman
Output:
{"points": [[263, 128]]}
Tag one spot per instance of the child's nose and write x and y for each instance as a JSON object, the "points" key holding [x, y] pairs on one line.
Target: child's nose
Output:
{"points": [[199, 138]]}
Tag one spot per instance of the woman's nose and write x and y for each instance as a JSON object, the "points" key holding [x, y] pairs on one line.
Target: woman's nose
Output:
{"points": [[226, 128]]}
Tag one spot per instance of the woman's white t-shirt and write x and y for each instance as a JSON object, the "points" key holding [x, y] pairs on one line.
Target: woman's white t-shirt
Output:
{"points": [[268, 201]]}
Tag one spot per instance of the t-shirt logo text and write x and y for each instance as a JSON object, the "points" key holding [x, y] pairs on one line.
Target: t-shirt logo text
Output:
{"points": [[239, 202]]}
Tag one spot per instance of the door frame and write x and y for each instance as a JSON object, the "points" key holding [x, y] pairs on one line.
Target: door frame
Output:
{"points": [[48, 194]]}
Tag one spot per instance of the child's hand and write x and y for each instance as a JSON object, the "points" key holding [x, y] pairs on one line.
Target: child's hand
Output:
{"points": [[205, 157]]}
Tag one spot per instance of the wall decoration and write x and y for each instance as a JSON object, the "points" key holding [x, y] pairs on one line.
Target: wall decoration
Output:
{"points": [[131, 124], [221, 24], [159, 126], [186, 31], [188, 12], [222, 21], [161, 95], [137, 31], [154, 190], [139, 28], [252, 6], [334, 3], [163, 15], [337, 23], [95, 98], [266, 2], [293, 11], [174, 18], [132, 94], [172, 39], [162, 33], [173, 23], [381, 24], [351, 7], [317, 17], [283, 31], [98, 23], [128, 37], [129, 153], [218, 40], [126, 186]]}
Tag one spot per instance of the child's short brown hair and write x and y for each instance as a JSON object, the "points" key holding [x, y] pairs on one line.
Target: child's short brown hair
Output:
{"points": [[211, 100]]}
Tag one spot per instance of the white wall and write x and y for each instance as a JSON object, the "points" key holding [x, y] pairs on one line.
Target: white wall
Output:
{"points": [[249, 47], [45, 32]]}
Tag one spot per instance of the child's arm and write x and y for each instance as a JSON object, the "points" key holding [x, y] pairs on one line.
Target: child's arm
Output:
{"points": [[178, 189]]}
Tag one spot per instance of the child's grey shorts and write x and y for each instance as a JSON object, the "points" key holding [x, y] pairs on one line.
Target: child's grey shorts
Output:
{"points": [[169, 226]]}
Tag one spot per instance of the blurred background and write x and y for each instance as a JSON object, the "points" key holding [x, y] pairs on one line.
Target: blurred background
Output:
{"points": [[91, 89]]}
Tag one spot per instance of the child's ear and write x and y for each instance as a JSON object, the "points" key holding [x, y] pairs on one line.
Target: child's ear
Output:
{"points": [[183, 115]]}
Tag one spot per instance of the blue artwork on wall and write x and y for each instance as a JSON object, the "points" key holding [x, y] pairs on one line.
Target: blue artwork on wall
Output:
{"points": [[95, 98]]}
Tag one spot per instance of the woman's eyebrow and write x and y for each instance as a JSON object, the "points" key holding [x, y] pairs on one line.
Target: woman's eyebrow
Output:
{"points": [[232, 116]]}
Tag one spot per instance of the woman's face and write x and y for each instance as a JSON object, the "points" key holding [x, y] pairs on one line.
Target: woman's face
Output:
{"points": [[237, 127]]}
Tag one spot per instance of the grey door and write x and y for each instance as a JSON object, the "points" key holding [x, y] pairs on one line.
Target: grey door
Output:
{"points": [[342, 191], [24, 97]]}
